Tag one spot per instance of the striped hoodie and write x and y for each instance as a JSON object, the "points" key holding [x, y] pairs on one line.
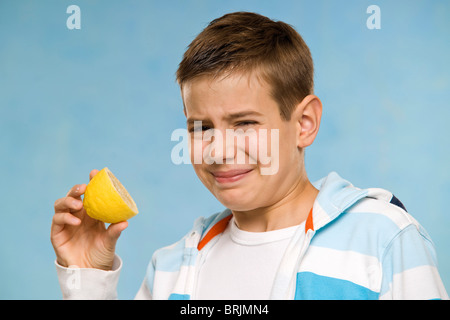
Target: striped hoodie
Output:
{"points": [[358, 244]]}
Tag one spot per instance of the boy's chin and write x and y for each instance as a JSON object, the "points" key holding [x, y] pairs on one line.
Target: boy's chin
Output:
{"points": [[237, 203]]}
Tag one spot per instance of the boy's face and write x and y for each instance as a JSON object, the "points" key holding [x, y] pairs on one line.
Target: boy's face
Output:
{"points": [[242, 102]]}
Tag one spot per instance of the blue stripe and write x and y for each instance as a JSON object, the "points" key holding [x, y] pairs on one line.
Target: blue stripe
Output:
{"points": [[311, 286], [176, 296], [410, 249], [363, 232]]}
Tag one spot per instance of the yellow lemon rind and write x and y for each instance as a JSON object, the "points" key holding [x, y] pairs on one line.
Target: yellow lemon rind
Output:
{"points": [[107, 200]]}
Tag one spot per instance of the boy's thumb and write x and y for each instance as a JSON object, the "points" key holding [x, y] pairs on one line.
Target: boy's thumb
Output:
{"points": [[115, 229]]}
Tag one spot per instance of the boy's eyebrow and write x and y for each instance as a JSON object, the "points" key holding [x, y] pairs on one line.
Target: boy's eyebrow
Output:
{"points": [[230, 117], [242, 114], [192, 120]]}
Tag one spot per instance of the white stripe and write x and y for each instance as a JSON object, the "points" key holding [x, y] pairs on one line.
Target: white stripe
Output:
{"points": [[398, 216], [380, 194], [320, 217], [420, 283], [356, 267], [163, 284]]}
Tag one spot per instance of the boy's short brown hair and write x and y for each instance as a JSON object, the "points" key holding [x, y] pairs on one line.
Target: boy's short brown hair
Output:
{"points": [[248, 42]]}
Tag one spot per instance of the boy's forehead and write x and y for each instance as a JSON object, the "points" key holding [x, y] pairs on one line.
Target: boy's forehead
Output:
{"points": [[234, 93]]}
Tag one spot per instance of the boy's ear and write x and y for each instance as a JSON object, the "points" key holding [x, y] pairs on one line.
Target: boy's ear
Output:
{"points": [[307, 115]]}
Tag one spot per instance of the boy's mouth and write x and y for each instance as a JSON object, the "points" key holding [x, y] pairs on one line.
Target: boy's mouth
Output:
{"points": [[229, 176]]}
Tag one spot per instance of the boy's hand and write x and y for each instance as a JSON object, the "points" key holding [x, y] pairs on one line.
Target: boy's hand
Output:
{"points": [[79, 240]]}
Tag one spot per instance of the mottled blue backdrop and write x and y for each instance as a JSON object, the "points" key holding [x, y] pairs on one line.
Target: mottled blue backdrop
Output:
{"points": [[105, 95]]}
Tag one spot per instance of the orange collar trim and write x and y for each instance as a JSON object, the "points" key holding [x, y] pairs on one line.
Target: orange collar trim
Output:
{"points": [[220, 227]]}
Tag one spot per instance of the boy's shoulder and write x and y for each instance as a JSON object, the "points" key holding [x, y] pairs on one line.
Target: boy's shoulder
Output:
{"points": [[380, 204], [339, 198], [364, 220], [370, 225], [382, 215]]}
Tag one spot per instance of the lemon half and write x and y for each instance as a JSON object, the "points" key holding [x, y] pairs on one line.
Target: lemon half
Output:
{"points": [[107, 200]]}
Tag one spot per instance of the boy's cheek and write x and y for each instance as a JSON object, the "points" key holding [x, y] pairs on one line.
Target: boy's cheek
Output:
{"points": [[269, 152], [195, 146]]}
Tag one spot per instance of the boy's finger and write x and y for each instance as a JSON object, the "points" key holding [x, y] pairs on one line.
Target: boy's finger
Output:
{"points": [[63, 218], [68, 204], [77, 190], [93, 173]]}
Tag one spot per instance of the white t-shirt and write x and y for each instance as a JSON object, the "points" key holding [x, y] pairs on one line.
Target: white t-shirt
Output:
{"points": [[242, 265]]}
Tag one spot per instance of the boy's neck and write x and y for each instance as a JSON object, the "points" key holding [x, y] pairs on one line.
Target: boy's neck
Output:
{"points": [[291, 210]]}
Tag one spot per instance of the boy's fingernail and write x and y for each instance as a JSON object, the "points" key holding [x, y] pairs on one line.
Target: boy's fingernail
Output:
{"points": [[76, 203]]}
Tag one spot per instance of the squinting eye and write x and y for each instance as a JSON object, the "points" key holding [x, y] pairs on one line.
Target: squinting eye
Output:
{"points": [[204, 128], [246, 123]]}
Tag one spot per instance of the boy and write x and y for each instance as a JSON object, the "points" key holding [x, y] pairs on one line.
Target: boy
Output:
{"points": [[281, 236]]}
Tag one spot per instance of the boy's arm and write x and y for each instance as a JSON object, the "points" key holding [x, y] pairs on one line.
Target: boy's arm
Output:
{"points": [[89, 283], [410, 268]]}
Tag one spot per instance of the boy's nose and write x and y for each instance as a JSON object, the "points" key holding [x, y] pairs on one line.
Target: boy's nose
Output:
{"points": [[219, 150]]}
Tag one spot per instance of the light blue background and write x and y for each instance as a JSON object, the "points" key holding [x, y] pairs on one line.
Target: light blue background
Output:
{"points": [[105, 95]]}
